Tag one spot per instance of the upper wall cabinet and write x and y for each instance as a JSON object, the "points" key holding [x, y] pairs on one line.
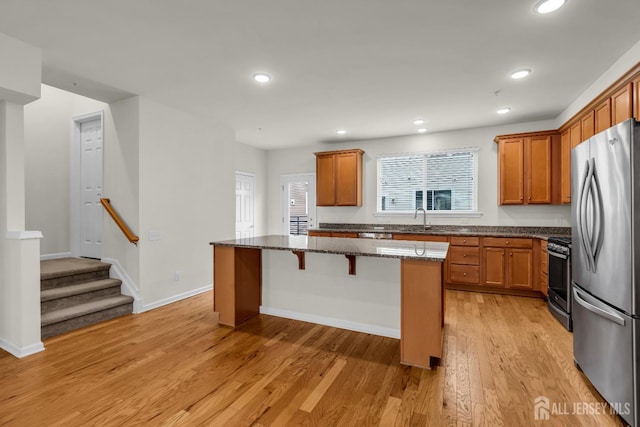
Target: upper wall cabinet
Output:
{"points": [[525, 169], [339, 178], [636, 97], [618, 103], [622, 104]]}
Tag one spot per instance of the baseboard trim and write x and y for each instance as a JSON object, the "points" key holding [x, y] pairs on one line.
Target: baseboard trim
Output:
{"points": [[129, 287], [331, 321], [176, 298], [21, 352], [55, 256]]}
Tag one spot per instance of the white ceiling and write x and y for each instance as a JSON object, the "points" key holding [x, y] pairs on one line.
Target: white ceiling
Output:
{"points": [[368, 66]]}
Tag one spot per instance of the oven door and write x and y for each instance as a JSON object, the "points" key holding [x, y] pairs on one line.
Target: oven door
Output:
{"points": [[559, 280]]}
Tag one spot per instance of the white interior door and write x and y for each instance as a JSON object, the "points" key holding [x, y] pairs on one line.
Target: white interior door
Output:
{"points": [[91, 184], [245, 184], [298, 203]]}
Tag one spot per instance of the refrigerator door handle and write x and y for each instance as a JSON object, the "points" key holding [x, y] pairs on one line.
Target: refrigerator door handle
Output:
{"points": [[598, 213], [585, 186], [597, 310]]}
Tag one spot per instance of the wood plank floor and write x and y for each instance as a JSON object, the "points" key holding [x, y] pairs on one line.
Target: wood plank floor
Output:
{"points": [[173, 366]]}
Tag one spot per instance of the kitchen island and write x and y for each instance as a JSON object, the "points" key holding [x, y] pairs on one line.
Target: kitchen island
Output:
{"points": [[384, 287]]}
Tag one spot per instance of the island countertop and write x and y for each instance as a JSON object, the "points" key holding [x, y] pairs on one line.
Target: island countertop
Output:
{"points": [[425, 251]]}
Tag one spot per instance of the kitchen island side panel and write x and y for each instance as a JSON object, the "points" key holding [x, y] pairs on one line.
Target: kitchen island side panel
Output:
{"points": [[237, 281], [422, 300]]}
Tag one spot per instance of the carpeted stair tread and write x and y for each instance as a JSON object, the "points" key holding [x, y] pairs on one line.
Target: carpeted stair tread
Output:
{"points": [[79, 310], [76, 289], [51, 269]]}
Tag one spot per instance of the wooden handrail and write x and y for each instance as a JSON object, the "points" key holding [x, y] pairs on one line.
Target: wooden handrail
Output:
{"points": [[125, 229]]}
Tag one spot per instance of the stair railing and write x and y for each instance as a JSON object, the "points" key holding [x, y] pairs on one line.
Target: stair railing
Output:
{"points": [[125, 229]]}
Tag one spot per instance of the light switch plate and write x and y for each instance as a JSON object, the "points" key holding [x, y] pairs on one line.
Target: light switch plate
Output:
{"points": [[155, 235]]}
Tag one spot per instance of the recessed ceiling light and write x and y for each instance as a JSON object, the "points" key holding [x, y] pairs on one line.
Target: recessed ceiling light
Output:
{"points": [[262, 77], [520, 74], [418, 122], [503, 110], [548, 6], [422, 130], [341, 132]]}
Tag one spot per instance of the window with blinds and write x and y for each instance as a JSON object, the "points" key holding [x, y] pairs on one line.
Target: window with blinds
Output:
{"points": [[440, 181]]}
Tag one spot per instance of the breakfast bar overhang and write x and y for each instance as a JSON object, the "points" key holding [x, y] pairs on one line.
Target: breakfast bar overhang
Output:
{"points": [[309, 266]]}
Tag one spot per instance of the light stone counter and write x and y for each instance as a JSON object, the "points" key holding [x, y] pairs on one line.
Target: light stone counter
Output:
{"points": [[421, 251]]}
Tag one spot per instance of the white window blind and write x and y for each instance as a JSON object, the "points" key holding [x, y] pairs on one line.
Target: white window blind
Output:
{"points": [[440, 181]]}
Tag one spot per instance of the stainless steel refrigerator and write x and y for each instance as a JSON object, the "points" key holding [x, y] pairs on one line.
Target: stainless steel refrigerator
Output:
{"points": [[605, 194]]}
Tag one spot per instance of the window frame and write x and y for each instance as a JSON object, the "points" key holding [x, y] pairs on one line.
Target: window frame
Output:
{"points": [[473, 212]]}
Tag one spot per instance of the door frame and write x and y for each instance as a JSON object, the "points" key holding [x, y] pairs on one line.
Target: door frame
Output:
{"points": [[253, 196], [284, 201], [75, 194]]}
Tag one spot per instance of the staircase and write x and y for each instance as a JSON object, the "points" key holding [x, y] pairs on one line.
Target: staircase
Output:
{"points": [[77, 292]]}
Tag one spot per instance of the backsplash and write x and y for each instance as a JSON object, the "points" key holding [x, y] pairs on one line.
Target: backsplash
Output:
{"points": [[560, 231]]}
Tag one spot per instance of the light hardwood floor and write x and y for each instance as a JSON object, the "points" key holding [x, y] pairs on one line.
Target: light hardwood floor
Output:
{"points": [[173, 366]]}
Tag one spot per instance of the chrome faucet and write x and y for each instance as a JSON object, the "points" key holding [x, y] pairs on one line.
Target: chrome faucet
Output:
{"points": [[424, 218]]}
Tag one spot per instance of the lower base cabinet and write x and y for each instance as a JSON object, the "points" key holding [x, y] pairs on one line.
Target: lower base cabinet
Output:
{"points": [[508, 263], [491, 264]]}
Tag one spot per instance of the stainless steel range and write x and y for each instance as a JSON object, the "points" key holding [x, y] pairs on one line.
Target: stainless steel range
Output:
{"points": [[560, 300]]}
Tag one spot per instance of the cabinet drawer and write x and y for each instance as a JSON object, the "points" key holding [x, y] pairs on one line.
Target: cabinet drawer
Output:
{"points": [[507, 242], [464, 274], [464, 255], [465, 241]]}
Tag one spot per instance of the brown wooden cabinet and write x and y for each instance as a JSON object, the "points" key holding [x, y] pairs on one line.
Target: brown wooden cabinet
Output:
{"points": [[565, 167], [544, 268], [622, 104], [464, 260], [508, 263], [603, 115], [339, 178], [587, 125], [636, 96], [524, 165]]}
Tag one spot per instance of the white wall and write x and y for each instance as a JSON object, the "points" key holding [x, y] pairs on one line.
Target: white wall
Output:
{"points": [[300, 160], [254, 160], [21, 71], [47, 167], [187, 192], [122, 183]]}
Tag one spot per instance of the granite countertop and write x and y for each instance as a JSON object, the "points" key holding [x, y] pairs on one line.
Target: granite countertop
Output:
{"points": [[450, 230], [425, 251]]}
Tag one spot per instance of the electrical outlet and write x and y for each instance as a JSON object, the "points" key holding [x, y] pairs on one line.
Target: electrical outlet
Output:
{"points": [[178, 276]]}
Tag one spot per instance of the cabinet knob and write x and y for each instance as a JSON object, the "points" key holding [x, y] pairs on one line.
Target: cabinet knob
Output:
{"points": [[511, 254], [464, 241], [464, 255], [507, 242], [464, 274]]}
